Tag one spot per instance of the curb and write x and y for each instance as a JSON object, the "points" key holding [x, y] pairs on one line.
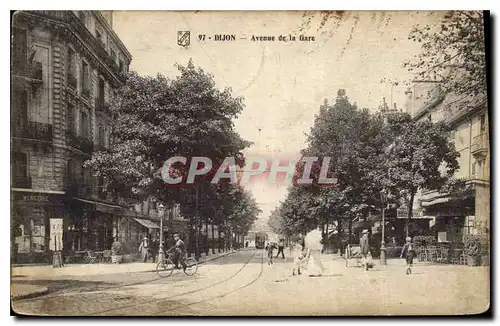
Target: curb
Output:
{"points": [[37, 293]]}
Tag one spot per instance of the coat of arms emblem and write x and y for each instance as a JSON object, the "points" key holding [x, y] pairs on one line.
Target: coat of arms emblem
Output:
{"points": [[183, 38]]}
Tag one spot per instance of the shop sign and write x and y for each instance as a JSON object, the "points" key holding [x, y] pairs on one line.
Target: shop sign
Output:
{"points": [[37, 198]]}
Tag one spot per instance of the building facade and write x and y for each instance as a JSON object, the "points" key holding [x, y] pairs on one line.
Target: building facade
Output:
{"points": [[65, 66], [467, 212]]}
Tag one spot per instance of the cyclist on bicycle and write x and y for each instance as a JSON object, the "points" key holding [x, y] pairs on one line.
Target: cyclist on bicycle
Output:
{"points": [[179, 252]]}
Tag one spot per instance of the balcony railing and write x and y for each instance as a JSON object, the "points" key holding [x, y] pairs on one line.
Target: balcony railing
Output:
{"points": [[82, 143], [31, 70], [34, 130], [74, 21], [480, 144], [72, 81], [21, 182]]}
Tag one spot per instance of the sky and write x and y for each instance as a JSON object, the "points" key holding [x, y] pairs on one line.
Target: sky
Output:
{"points": [[283, 83]]}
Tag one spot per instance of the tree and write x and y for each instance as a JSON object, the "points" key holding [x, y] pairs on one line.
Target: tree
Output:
{"points": [[453, 53], [420, 157], [156, 118], [353, 139]]}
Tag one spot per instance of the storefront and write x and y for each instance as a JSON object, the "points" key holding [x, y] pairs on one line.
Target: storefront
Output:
{"points": [[90, 225], [31, 215], [451, 218]]}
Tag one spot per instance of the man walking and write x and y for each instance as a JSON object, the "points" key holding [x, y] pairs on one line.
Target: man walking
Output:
{"points": [[364, 245], [281, 248], [144, 249]]}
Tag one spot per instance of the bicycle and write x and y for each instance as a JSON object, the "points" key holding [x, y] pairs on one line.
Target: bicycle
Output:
{"points": [[166, 267]]}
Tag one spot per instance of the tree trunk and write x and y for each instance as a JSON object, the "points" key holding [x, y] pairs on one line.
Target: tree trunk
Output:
{"points": [[410, 214], [350, 229], [340, 236], [207, 247], [213, 240]]}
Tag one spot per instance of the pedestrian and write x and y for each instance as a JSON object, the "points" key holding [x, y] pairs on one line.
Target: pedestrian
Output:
{"points": [[408, 253], [246, 244], [144, 249], [313, 245], [364, 245], [298, 260], [154, 248], [281, 248], [270, 248]]}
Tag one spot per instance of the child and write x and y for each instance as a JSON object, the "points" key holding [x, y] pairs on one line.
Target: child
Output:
{"points": [[299, 258], [408, 253], [270, 247]]}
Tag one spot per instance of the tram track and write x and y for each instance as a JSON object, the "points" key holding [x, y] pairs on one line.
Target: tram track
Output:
{"points": [[103, 289], [166, 299], [222, 294]]}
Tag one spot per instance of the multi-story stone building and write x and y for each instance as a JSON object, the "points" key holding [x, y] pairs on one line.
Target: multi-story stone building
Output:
{"points": [[65, 65], [455, 215]]}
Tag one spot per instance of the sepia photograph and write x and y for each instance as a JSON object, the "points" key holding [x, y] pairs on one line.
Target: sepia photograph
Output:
{"points": [[250, 163]]}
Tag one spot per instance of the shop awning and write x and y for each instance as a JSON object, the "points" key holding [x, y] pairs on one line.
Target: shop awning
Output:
{"points": [[102, 207], [147, 223], [436, 201]]}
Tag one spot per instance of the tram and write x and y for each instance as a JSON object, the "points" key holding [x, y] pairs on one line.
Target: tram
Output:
{"points": [[260, 240]]}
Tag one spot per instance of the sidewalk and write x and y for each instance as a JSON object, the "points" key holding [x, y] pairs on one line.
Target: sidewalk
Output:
{"points": [[72, 270], [24, 291]]}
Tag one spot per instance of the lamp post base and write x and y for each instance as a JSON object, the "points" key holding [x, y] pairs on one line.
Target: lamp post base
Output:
{"points": [[161, 254], [383, 260]]}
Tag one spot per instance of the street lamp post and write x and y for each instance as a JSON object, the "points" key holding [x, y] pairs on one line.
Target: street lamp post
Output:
{"points": [[161, 255], [383, 198]]}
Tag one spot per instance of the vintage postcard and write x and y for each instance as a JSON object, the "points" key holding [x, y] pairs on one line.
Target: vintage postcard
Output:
{"points": [[204, 163]]}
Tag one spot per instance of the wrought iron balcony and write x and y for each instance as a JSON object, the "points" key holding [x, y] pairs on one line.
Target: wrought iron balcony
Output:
{"points": [[480, 145], [30, 70], [82, 143], [33, 130], [72, 80], [102, 106], [21, 182]]}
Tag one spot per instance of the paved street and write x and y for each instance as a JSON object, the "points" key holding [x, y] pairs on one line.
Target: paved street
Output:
{"points": [[244, 284]]}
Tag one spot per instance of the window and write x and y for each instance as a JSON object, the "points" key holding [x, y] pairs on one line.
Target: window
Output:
{"points": [[84, 124], [101, 135], [120, 65], [473, 169], [20, 51], [71, 118], [20, 165], [469, 224], [85, 78], [113, 55], [100, 89], [483, 123], [20, 109]]}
